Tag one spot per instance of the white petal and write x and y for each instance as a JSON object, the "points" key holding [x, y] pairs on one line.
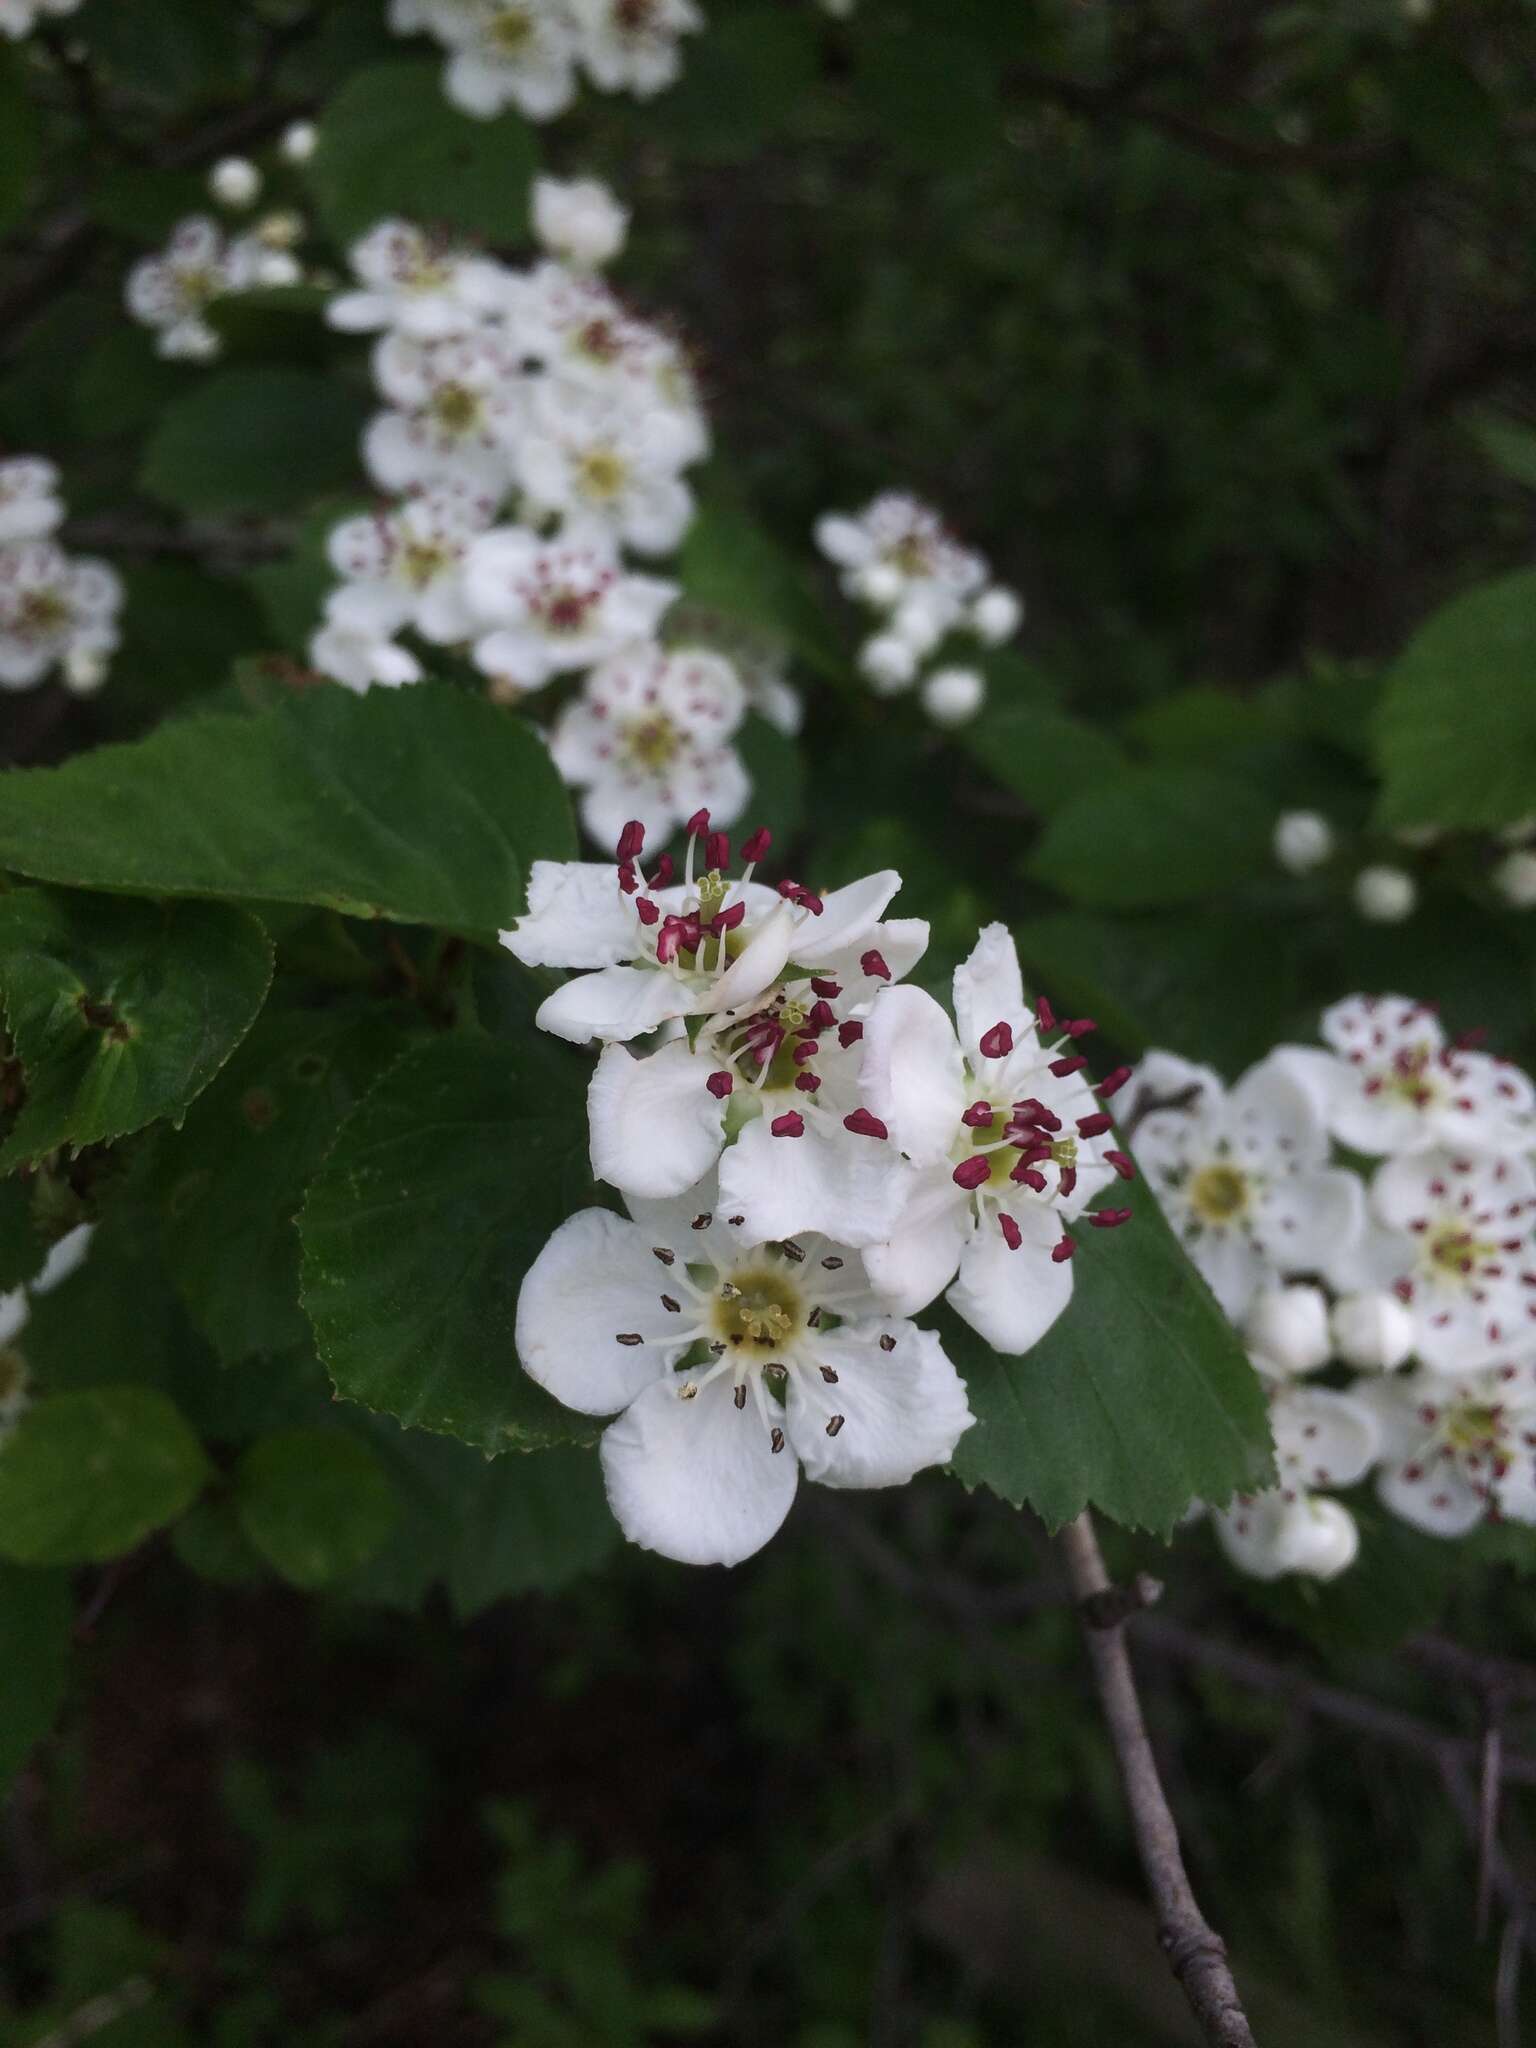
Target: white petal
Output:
{"points": [[1011, 1298], [656, 1129], [920, 1258], [828, 1180], [989, 988], [64, 1258], [1308, 1221], [1435, 1496], [696, 1480], [614, 1003], [14, 1310], [848, 918], [1273, 1119], [912, 1075], [595, 1281], [902, 1409], [577, 917], [1322, 1438], [1234, 1270], [758, 965]]}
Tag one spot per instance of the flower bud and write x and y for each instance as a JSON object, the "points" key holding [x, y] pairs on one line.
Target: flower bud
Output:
{"points": [[953, 696], [234, 181], [1303, 841], [889, 664], [84, 671], [1385, 895], [1320, 1538], [877, 583], [922, 619], [579, 220], [1515, 879], [299, 141], [997, 615], [1372, 1331], [1288, 1326]]}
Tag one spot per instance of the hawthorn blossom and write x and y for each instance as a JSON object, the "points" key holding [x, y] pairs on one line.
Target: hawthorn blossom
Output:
{"points": [[455, 403], [505, 53], [415, 284], [29, 502], [896, 548], [359, 656], [1242, 1174], [731, 1374], [1457, 1449], [53, 608], [1277, 1534], [172, 292], [759, 657], [1322, 1439], [1392, 1082], [1007, 1141], [542, 607], [579, 220], [589, 457], [649, 739], [632, 45], [403, 567]]}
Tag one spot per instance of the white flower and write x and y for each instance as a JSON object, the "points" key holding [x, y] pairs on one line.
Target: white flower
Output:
{"points": [[416, 284], [403, 567], [52, 606], [542, 607], [632, 45], [1322, 1439], [1391, 1082], [359, 657], [579, 220], [1303, 841], [1242, 1174], [906, 537], [1457, 1450], [996, 615], [649, 739], [298, 142], [609, 463], [1273, 1534], [19, 17], [234, 181], [172, 292], [1385, 895], [505, 53], [29, 502], [66, 1255], [1007, 1141], [953, 696], [1372, 1331], [1515, 879], [720, 1354], [877, 583], [756, 653], [1289, 1327], [889, 663], [457, 402]]}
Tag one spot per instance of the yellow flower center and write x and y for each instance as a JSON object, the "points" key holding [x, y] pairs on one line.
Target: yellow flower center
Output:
{"points": [[1218, 1194], [760, 1307], [603, 473], [456, 408], [652, 743]]}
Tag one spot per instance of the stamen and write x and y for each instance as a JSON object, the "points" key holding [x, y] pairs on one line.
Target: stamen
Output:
{"points": [[1033, 1111], [1109, 1219], [631, 840], [830, 989], [790, 1125], [1013, 1237], [795, 1253], [662, 877], [849, 1032], [646, 910], [997, 1043], [704, 1220], [629, 1337], [1113, 1082], [740, 1397], [717, 851], [690, 1392], [629, 881], [1063, 1250], [873, 964], [1045, 1016], [1094, 1126], [828, 1374], [753, 849], [720, 1084], [833, 1265], [1072, 1065], [697, 825], [659, 1251], [1080, 1027], [1030, 1176], [980, 1116], [972, 1173], [808, 1083], [777, 1372], [673, 1308], [728, 919], [863, 1125], [776, 1440], [834, 1424], [813, 1321], [887, 1342], [1124, 1166]]}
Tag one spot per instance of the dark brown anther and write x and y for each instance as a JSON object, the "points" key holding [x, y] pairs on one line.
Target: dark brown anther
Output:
{"points": [[672, 1307], [659, 1251], [793, 1252], [740, 1397], [629, 1337], [776, 1439], [833, 1265], [887, 1342], [834, 1424], [735, 1221], [776, 1372], [828, 1375], [813, 1320], [704, 1221]]}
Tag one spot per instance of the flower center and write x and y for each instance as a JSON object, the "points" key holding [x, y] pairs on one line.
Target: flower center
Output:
{"points": [[1455, 1253], [652, 744], [603, 473], [566, 610], [758, 1306], [422, 561], [511, 31], [1217, 1194], [1472, 1428], [456, 408], [41, 613]]}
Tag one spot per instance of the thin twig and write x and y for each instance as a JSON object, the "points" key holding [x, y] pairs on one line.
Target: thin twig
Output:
{"points": [[1195, 1951]]}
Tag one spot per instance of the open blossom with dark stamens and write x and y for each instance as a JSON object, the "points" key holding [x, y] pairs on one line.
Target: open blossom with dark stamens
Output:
{"points": [[1457, 1450], [1003, 1143], [543, 607], [1393, 1083], [736, 1364], [402, 567], [415, 284]]}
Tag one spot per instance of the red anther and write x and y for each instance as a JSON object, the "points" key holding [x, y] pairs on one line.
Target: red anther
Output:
{"points": [[847, 1033], [1029, 1176], [997, 1043], [754, 848], [1033, 1111], [974, 1172], [1062, 1250], [1013, 1237], [698, 824], [1079, 1027], [1124, 1166], [728, 919], [676, 933], [1045, 1016], [824, 988], [1096, 1125], [808, 1083], [1109, 1219], [631, 840], [629, 881], [1073, 1064], [717, 850], [1032, 1147], [1068, 1180], [664, 872], [720, 1084], [872, 963], [789, 889], [790, 1125], [1112, 1083], [809, 900], [980, 1116], [863, 1125], [805, 1049], [821, 1017], [646, 910]]}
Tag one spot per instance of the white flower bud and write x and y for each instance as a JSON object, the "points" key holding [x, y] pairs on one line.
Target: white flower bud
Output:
{"points": [[889, 664], [280, 230], [923, 618], [299, 142], [1373, 1332], [997, 615], [1288, 1326], [1515, 879], [84, 671], [953, 696], [1385, 895], [1303, 841], [235, 182], [877, 583], [579, 220], [276, 269], [1321, 1538]]}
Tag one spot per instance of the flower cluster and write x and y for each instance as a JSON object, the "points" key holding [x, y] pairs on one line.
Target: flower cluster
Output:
{"points": [[172, 292], [1387, 891], [18, 18], [535, 436], [57, 611], [898, 559], [527, 53], [813, 1151], [1412, 1284]]}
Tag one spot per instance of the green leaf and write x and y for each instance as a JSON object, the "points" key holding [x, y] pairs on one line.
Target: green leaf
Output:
{"points": [[88, 1475], [18, 158], [529, 1525], [35, 1618], [1457, 725], [391, 144], [438, 1194], [731, 565], [236, 1174], [1044, 756], [742, 81], [182, 628], [22, 1246], [1154, 836], [316, 1503], [423, 805], [776, 765], [1138, 1401], [1508, 443], [121, 1013], [255, 440]]}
